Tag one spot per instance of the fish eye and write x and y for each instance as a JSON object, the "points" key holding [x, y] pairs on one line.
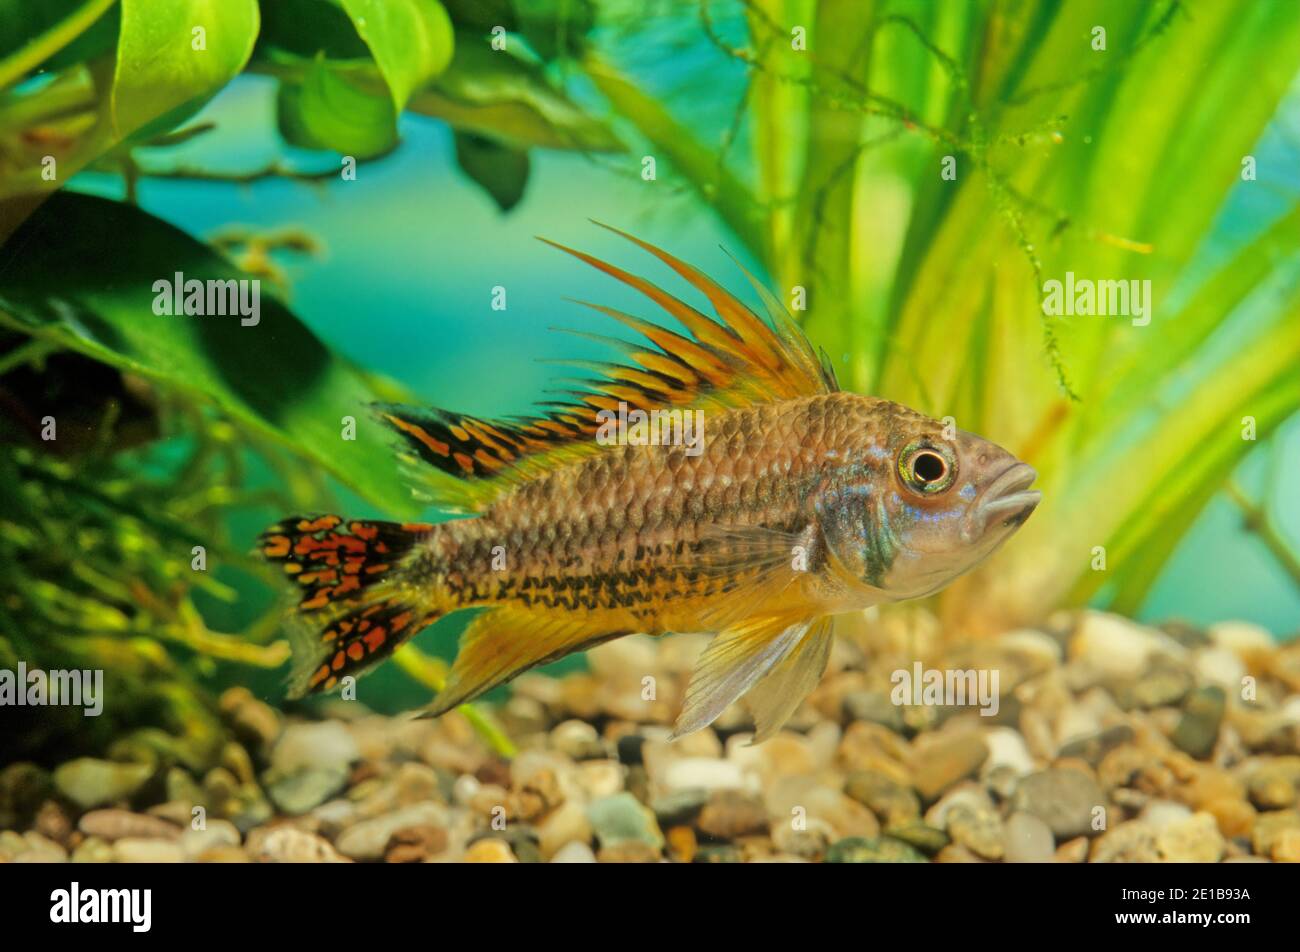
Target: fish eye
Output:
{"points": [[926, 469]]}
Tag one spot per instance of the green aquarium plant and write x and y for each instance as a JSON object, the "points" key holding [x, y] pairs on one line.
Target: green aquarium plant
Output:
{"points": [[911, 175]]}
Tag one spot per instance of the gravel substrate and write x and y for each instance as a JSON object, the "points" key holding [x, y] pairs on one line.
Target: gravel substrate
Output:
{"points": [[1112, 742]]}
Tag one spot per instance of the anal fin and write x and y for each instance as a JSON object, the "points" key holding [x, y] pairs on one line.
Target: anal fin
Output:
{"points": [[505, 641]]}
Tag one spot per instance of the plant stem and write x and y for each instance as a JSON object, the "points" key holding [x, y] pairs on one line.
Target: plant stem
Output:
{"points": [[51, 41], [1257, 521]]}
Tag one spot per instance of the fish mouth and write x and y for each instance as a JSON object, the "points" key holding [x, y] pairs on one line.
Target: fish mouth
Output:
{"points": [[1008, 500]]}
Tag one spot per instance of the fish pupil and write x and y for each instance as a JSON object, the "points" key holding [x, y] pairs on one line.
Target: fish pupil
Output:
{"points": [[928, 467]]}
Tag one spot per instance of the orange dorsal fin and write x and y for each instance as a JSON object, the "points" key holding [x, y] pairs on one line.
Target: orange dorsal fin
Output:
{"points": [[733, 359]]}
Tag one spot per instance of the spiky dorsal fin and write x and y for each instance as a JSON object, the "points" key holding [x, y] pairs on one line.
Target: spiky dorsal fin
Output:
{"points": [[735, 359]]}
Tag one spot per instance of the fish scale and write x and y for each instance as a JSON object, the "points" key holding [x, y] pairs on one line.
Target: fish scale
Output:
{"points": [[750, 474]]}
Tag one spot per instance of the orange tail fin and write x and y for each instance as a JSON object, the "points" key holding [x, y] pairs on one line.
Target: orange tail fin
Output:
{"points": [[365, 590]]}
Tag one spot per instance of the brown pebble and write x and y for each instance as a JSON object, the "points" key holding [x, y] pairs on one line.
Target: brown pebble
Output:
{"points": [[681, 843], [414, 844], [113, 824], [939, 762], [629, 851], [1073, 851], [490, 850], [53, 823], [730, 814]]}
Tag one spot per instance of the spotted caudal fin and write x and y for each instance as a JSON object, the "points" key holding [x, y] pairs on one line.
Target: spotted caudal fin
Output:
{"points": [[362, 593]]}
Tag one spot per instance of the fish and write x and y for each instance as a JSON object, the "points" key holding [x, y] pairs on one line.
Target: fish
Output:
{"points": [[800, 504]]}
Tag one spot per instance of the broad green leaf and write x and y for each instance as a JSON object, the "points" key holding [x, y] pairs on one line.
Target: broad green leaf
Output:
{"points": [[328, 111], [274, 375], [500, 170], [177, 52], [411, 41]]}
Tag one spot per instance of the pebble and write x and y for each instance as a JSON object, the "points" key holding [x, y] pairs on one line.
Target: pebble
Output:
{"points": [[574, 852], [287, 844], [979, 830], [1063, 798], [1269, 829], [367, 839], [600, 778], [622, 818], [680, 806], [1093, 747], [1248, 641], [89, 783], [1198, 728], [39, 849], [1163, 685], [1115, 647], [114, 825], [1194, 839], [858, 849], [1272, 785], [874, 707], [1074, 851], [941, 762], [93, 850], [1159, 814], [703, 773], [928, 839], [1007, 750], [255, 721], [891, 801], [1130, 842], [629, 851], [577, 740], [564, 825], [135, 850], [730, 814], [217, 833], [1028, 840], [1286, 849], [1220, 667], [322, 745], [303, 790], [490, 850], [415, 844]]}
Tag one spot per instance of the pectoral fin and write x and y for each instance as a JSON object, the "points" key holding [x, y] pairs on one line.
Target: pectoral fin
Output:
{"points": [[733, 663], [775, 697]]}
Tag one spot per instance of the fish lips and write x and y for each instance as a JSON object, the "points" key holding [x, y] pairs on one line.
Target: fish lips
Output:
{"points": [[1006, 502]]}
